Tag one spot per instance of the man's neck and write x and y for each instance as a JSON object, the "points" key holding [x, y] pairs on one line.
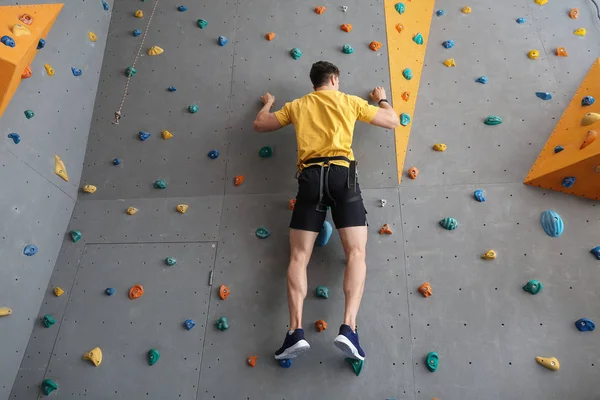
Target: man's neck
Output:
{"points": [[321, 88]]}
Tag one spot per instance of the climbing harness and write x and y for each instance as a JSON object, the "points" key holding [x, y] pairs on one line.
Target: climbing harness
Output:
{"points": [[118, 112], [324, 179]]}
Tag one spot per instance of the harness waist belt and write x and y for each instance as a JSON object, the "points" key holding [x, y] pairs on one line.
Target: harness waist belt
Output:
{"points": [[324, 178]]}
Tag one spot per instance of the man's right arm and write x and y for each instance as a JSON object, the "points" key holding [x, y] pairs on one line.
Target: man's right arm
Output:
{"points": [[385, 117]]}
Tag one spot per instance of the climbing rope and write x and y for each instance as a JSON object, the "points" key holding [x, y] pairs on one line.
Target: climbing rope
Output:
{"points": [[118, 112], [597, 7]]}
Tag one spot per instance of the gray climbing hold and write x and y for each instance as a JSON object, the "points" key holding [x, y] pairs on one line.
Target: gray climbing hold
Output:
{"points": [[170, 261], [222, 40], [407, 74], [15, 137], [322, 291], [144, 136], [76, 235], [160, 184], [29, 114], [30, 250], [137, 32], [202, 23], [568, 181], [544, 95], [213, 154], [76, 71], [448, 44], [347, 49], [296, 53], [482, 79]]}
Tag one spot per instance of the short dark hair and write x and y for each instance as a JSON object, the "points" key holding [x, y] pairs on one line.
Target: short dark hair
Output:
{"points": [[321, 71]]}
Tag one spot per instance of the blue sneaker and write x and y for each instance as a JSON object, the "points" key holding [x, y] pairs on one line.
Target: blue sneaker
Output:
{"points": [[293, 345], [347, 342]]}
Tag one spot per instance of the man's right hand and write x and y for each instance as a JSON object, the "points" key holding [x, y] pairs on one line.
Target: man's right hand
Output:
{"points": [[378, 94], [268, 98]]}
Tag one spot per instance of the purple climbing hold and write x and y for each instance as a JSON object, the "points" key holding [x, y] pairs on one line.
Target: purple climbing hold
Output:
{"points": [[213, 154], [30, 250], [568, 181], [76, 71], [15, 137], [144, 135], [7, 41]]}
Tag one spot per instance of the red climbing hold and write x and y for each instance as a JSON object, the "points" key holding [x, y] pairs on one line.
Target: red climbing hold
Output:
{"points": [[320, 9], [252, 361], [375, 46], [27, 73], [223, 292], [292, 204], [136, 292], [346, 27], [270, 36], [385, 230], [238, 180]]}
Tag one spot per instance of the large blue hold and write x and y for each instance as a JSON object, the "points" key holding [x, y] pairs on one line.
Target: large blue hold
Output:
{"points": [[144, 135], [76, 71], [223, 40], [482, 79], [324, 235], [544, 95], [479, 195], [587, 101], [585, 325], [285, 363], [448, 44], [15, 137], [30, 250], [596, 252], [552, 223], [7, 41], [182, 8], [568, 181]]}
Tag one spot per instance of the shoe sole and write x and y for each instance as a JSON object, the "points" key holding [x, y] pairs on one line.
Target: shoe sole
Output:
{"points": [[346, 347], [293, 351]]}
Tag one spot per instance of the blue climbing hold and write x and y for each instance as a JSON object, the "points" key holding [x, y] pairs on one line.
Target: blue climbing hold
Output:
{"points": [[439, 13], [105, 5], [172, 89], [324, 235], [521, 20], [482, 79], [296, 53], [170, 261], [552, 223], [404, 119], [189, 324], [596, 252], [182, 8], [285, 363], [7, 41], [144, 135], [15, 137], [568, 181], [30, 250], [418, 39], [585, 325], [28, 114], [400, 7], [558, 149], [110, 291], [223, 40], [479, 195], [587, 101], [76, 71], [407, 74], [41, 44], [213, 154], [544, 95], [76, 235], [116, 161], [448, 44], [137, 32]]}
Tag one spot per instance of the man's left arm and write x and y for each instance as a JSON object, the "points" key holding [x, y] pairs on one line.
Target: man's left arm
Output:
{"points": [[266, 121]]}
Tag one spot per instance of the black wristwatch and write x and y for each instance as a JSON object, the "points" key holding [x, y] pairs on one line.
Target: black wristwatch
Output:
{"points": [[382, 100]]}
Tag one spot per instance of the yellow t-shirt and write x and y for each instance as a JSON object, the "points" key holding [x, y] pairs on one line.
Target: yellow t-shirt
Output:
{"points": [[324, 122]]}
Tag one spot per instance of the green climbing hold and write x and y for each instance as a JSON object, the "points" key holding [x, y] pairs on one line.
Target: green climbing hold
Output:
{"points": [[323, 292], [357, 365], [265, 152], [493, 120], [263, 233], [222, 324], [449, 223], [153, 356], [170, 261], [75, 235], [130, 71], [48, 320], [533, 286], [202, 23], [193, 109], [432, 361], [347, 49], [418, 38], [400, 7], [160, 184], [407, 74], [49, 386], [295, 53], [404, 119], [29, 114]]}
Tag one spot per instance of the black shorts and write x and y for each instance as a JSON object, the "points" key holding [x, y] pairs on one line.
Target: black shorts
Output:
{"points": [[345, 213]]}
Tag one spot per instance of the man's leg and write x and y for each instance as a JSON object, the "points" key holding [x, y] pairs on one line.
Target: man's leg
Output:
{"points": [[354, 240], [301, 247]]}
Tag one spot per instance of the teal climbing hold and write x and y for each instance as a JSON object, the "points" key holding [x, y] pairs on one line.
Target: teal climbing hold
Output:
{"points": [[29, 114], [263, 233], [432, 361], [170, 261], [153, 356], [322, 291], [533, 286], [493, 120], [49, 386], [160, 184], [202, 23], [552, 223], [347, 49], [449, 223], [295, 53], [130, 71], [222, 324], [407, 74], [192, 108], [404, 119], [265, 152], [357, 365], [324, 235], [75, 235], [400, 7], [48, 320], [418, 38]]}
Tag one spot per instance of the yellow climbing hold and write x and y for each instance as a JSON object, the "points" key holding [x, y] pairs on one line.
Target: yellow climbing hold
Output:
{"points": [[58, 291], [580, 32], [131, 210], [182, 208], [59, 168], [139, 14], [439, 147], [489, 255], [90, 189], [533, 54], [94, 355], [466, 10], [548, 362], [20, 30], [92, 36], [49, 69], [166, 134], [450, 62], [540, 2], [5, 311], [589, 119], [155, 50]]}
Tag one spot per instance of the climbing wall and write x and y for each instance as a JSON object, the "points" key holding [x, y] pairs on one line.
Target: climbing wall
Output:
{"points": [[36, 204], [485, 328]]}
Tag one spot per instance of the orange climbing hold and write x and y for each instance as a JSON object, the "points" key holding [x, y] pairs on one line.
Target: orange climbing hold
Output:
{"points": [[413, 172], [589, 139], [385, 230], [26, 19], [405, 96], [399, 27], [270, 36], [251, 361], [320, 325], [238, 180], [292, 204], [425, 289], [320, 9], [375, 46], [346, 27], [574, 13], [27, 73], [223, 292], [561, 52], [136, 292]]}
